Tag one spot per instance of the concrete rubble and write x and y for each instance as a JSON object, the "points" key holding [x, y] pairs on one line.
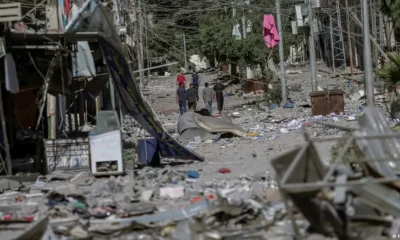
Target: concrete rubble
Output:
{"points": [[237, 193]]}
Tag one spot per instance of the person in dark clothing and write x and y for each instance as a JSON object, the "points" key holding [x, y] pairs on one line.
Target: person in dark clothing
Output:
{"points": [[196, 82], [219, 95], [181, 97], [192, 97]]}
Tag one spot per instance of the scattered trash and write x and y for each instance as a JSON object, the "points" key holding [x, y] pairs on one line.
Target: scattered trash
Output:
{"points": [[273, 106], [193, 174], [288, 105], [224, 170]]}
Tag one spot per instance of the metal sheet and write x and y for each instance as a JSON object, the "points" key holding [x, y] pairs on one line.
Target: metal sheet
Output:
{"points": [[373, 122], [327, 102], [379, 197]]}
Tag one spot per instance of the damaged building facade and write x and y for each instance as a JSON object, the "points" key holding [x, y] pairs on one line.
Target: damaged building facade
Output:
{"points": [[54, 85]]}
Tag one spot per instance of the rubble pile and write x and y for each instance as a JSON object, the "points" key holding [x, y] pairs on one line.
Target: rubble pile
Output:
{"points": [[342, 200], [162, 199]]}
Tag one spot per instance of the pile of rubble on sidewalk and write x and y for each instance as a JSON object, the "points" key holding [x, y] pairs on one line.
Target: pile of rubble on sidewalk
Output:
{"points": [[351, 199]]}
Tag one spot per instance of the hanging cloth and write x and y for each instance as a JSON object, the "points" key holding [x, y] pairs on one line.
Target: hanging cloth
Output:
{"points": [[236, 32], [271, 36]]}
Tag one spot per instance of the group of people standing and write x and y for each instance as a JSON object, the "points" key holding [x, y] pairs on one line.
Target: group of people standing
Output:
{"points": [[188, 98]]}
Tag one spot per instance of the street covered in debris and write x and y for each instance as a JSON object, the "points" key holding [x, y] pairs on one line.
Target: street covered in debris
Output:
{"points": [[95, 145]]}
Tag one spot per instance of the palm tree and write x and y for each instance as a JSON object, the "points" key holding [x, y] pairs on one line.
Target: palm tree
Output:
{"points": [[391, 76], [391, 8]]}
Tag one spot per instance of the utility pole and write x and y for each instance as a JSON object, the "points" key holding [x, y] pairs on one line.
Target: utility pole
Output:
{"points": [[369, 81], [244, 26], [147, 42], [140, 41], [349, 38], [374, 33], [332, 45], [281, 56], [184, 52], [311, 47], [244, 35]]}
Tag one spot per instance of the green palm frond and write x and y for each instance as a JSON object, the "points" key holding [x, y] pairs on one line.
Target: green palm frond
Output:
{"points": [[391, 8], [391, 74]]}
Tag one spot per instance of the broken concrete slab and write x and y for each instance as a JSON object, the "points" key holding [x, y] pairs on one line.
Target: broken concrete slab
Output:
{"points": [[146, 195], [172, 192], [6, 184]]}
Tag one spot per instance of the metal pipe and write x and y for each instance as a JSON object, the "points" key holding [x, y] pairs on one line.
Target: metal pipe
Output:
{"points": [[369, 81], [301, 187], [332, 45], [313, 63], [281, 56], [349, 39]]}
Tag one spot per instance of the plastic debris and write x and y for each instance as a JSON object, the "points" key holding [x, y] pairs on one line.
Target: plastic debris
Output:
{"points": [[224, 170]]}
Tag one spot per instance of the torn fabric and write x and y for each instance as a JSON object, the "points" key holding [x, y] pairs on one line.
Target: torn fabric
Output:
{"points": [[271, 36]]}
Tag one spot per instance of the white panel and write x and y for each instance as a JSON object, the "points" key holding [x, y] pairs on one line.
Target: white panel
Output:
{"points": [[106, 147], [299, 16], [316, 4], [10, 12], [52, 18], [294, 27]]}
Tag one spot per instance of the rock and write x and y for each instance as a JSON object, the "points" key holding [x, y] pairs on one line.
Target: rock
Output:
{"points": [[295, 87], [146, 195], [78, 232], [114, 186], [6, 184], [66, 189], [315, 236], [273, 195], [172, 192]]}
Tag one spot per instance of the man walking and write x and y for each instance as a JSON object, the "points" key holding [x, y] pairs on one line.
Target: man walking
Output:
{"points": [[208, 97], [196, 82], [181, 98], [181, 79], [218, 88], [192, 97]]}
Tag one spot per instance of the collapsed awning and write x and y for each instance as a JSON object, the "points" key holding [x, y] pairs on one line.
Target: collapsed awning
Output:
{"points": [[92, 18]]}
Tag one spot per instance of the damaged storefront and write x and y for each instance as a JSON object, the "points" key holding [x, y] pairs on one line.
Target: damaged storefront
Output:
{"points": [[54, 85]]}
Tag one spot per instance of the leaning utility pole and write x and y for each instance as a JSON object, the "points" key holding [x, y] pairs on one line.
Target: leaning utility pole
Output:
{"points": [[184, 52], [369, 81], [311, 47], [281, 56]]}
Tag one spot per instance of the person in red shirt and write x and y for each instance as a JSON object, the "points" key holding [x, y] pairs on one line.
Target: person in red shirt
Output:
{"points": [[181, 79]]}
